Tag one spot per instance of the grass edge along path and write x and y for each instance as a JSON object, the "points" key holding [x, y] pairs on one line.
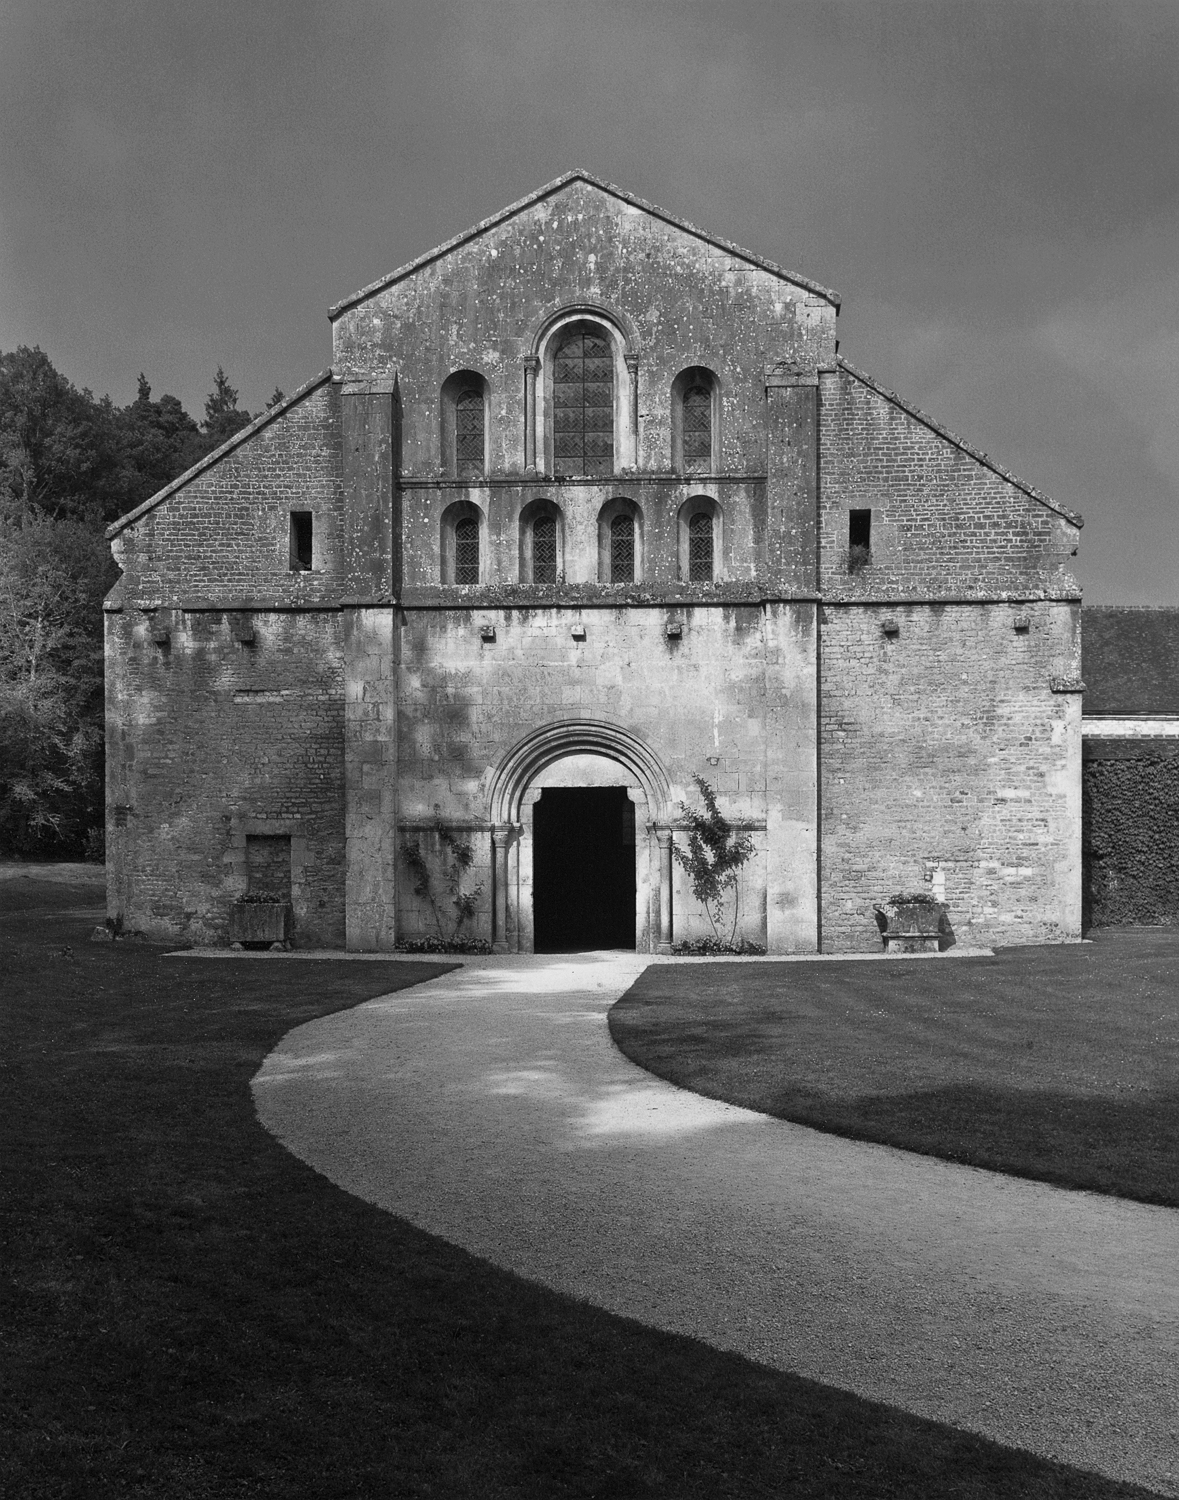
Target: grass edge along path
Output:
{"points": [[1057, 1064], [192, 1312]]}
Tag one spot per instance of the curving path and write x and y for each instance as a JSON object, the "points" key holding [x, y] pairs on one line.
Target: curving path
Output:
{"points": [[490, 1107]]}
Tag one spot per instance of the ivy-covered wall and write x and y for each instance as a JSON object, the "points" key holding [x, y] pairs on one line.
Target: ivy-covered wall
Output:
{"points": [[1130, 845]]}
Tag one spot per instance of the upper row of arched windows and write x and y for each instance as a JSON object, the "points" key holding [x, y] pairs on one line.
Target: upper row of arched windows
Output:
{"points": [[580, 397], [542, 542]]}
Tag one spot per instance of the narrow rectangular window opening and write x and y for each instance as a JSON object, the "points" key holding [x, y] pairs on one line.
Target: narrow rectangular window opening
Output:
{"points": [[300, 541], [859, 539]]}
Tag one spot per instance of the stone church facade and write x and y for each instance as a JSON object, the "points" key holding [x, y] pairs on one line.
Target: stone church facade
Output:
{"points": [[587, 506]]}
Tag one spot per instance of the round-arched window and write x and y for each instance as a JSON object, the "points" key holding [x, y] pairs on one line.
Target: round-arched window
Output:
{"points": [[700, 549], [583, 402], [468, 434], [466, 550], [622, 549], [544, 550], [697, 431]]}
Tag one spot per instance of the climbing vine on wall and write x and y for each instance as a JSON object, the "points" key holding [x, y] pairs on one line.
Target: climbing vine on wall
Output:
{"points": [[713, 862], [450, 894], [1130, 818]]}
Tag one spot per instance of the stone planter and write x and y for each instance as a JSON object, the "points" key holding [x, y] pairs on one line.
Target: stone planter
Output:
{"points": [[260, 923], [914, 924]]}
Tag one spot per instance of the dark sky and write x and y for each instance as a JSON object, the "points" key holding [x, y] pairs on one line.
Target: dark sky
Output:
{"points": [[992, 187]]}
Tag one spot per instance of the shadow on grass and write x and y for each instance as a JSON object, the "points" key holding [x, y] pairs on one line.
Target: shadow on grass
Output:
{"points": [[192, 1312], [1057, 1065]]}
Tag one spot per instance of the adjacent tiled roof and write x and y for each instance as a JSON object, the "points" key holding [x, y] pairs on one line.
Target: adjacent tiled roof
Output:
{"points": [[1130, 659], [982, 458], [260, 421], [546, 192]]}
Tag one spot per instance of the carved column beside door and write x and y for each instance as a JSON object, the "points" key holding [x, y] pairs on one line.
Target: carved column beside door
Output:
{"points": [[663, 839], [501, 840]]}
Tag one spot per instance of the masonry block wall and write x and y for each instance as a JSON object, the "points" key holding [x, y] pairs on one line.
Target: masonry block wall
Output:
{"points": [[683, 302], [336, 716], [944, 524], [211, 741], [945, 747], [225, 534], [698, 699]]}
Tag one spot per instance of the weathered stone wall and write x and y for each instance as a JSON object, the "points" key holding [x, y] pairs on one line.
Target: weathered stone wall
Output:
{"points": [[739, 534], [944, 745], [225, 535], [371, 704], [944, 525], [1131, 832], [210, 741], [684, 301], [697, 701]]}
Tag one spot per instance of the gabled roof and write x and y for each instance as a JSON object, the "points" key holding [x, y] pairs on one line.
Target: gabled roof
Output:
{"points": [[547, 192], [1130, 659], [982, 458], [218, 454]]}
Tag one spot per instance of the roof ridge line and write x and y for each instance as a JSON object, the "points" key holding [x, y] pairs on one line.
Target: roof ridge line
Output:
{"points": [[983, 458], [260, 421], [578, 175]]}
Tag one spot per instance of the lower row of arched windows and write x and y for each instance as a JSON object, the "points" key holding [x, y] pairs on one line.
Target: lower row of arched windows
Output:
{"points": [[542, 542]]}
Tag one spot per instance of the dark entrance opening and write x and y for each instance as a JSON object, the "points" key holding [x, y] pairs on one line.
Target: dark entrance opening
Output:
{"points": [[583, 869]]}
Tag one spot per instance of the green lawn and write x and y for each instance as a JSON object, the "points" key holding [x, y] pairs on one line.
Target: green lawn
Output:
{"points": [[189, 1312], [1057, 1063]]}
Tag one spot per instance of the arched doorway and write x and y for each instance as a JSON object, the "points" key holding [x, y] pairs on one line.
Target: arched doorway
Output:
{"points": [[581, 840], [584, 886]]}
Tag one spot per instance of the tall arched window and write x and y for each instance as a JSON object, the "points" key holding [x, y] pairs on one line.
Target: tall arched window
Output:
{"points": [[466, 551], [544, 550], [697, 428], [700, 548], [542, 542], [694, 410], [622, 549], [464, 425], [583, 402], [701, 540], [468, 435], [461, 543], [620, 541]]}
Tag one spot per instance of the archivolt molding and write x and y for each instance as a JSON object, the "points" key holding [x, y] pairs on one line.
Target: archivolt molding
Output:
{"points": [[551, 742], [568, 312]]}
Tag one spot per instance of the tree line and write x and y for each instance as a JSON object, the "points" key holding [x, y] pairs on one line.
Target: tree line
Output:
{"points": [[70, 463]]}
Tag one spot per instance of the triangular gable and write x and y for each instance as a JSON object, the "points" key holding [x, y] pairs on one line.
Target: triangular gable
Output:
{"points": [[547, 192], [218, 454], [942, 432]]}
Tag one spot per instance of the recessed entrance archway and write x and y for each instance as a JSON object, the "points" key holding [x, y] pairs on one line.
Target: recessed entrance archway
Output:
{"points": [[581, 842]]}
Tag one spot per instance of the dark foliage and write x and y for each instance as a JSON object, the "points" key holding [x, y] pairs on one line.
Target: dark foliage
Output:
{"points": [[1130, 823], [69, 464]]}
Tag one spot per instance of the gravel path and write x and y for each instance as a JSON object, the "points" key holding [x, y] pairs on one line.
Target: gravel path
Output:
{"points": [[491, 1108]]}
